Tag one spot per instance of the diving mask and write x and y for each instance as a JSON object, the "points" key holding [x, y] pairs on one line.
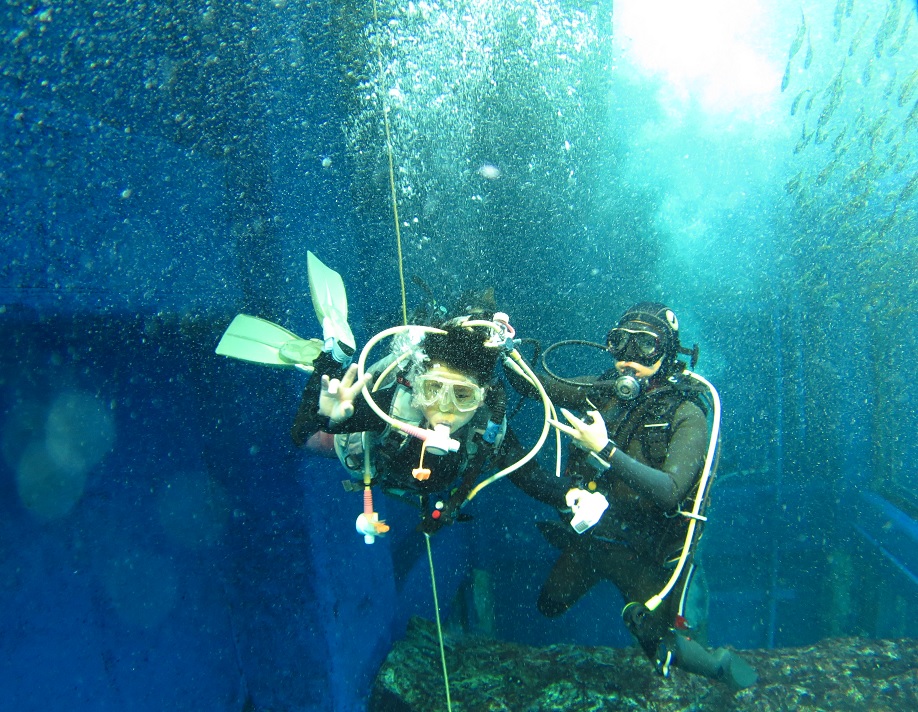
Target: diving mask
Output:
{"points": [[450, 393], [636, 343]]}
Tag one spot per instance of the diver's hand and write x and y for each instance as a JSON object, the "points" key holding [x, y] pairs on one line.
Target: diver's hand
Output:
{"points": [[590, 436], [574, 497], [336, 402]]}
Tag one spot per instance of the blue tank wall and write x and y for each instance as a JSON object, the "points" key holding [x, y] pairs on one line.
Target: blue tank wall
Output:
{"points": [[201, 561], [164, 546]]}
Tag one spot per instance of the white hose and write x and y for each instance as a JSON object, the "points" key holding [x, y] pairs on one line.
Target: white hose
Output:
{"points": [[361, 366], [549, 412], [514, 359], [695, 515]]}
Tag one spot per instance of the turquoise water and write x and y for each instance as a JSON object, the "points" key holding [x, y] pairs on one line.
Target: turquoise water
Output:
{"points": [[166, 166]]}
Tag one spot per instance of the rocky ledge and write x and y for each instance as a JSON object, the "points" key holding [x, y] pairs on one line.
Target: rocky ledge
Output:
{"points": [[839, 674]]}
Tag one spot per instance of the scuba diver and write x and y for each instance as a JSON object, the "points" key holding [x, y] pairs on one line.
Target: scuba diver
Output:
{"points": [[636, 489], [422, 423], [446, 383]]}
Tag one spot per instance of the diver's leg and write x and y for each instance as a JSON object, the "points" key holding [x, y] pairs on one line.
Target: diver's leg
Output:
{"points": [[657, 634], [689, 652], [722, 665], [638, 578], [570, 579]]}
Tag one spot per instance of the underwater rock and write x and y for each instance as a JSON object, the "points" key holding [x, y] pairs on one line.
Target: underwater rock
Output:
{"points": [[839, 674]]}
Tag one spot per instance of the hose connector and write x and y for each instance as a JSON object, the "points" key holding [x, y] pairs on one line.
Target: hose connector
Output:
{"points": [[502, 333], [370, 526], [439, 441]]}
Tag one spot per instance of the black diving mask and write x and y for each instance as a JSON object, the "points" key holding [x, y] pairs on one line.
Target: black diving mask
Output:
{"points": [[636, 343]]}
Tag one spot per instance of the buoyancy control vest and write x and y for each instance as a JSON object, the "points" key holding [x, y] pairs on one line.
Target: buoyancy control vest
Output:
{"points": [[650, 419], [393, 454]]}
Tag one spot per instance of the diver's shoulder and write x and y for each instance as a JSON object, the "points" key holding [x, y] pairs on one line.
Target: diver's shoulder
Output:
{"points": [[690, 409]]}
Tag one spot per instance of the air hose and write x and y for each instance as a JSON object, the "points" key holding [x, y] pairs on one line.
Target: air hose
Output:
{"points": [[696, 514]]}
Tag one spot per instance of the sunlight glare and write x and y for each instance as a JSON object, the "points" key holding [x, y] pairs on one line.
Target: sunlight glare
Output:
{"points": [[710, 50]]}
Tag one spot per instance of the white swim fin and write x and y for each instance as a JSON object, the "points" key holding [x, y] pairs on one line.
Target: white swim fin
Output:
{"points": [[250, 338], [329, 300]]}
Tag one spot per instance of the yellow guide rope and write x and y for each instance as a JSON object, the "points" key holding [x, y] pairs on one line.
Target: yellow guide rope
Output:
{"points": [[433, 586], [398, 229], [401, 277]]}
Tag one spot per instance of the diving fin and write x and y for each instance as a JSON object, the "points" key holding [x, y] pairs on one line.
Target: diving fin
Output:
{"points": [[722, 664], [329, 300], [250, 338]]}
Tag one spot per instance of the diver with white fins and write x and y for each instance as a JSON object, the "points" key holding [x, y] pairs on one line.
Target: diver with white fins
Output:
{"points": [[431, 419]]}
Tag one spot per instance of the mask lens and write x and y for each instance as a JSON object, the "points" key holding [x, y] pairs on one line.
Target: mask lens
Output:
{"points": [[428, 389], [634, 344], [462, 396], [617, 340], [646, 343]]}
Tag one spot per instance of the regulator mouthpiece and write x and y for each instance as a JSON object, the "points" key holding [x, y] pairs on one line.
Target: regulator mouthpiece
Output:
{"points": [[439, 441], [627, 387]]}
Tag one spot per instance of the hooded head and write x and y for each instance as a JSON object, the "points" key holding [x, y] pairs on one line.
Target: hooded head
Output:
{"points": [[463, 349], [454, 378], [646, 333]]}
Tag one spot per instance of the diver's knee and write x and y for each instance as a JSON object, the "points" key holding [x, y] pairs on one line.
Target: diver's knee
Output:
{"points": [[644, 626], [637, 619], [551, 607]]}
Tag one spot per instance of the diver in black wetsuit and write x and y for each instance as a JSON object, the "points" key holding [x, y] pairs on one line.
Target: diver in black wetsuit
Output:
{"points": [[642, 457], [436, 396]]}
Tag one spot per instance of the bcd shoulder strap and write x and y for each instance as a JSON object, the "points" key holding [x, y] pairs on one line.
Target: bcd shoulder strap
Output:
{"points": [[651, 421]]}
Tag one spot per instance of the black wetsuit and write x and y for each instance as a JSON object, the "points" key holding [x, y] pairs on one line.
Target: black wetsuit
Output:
{"points": [[662, 438]]}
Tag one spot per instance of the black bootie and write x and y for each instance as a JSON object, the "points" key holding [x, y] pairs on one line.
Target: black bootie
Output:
{"points": [[721, 664]]}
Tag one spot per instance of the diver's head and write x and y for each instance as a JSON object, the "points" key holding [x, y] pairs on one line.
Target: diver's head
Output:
{"points": [[645, 342], [457, 369]]}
